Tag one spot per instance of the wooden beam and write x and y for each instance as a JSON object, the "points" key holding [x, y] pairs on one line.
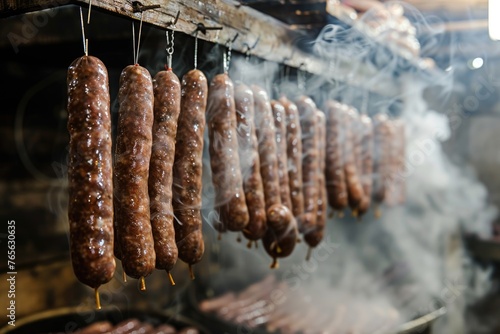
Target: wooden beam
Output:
{"points": [[277, 41]]}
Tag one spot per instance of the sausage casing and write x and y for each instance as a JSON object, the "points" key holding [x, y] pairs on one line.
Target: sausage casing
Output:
{"points": [[314, 237], [281, 235], [188, 166], [250, 163], [294, 154], [90, 206], [310, 162], [265, 130], [351, 158], [334, 158], [281, 151], [167, 105], [224, 158], [132, 157]]}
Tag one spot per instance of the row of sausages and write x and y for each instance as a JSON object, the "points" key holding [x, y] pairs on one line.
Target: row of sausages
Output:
{"points": [[132, 326], [275, 165], [275, 306], [127, 209]]}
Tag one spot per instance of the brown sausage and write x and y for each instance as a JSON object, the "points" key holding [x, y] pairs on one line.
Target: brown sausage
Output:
{"points": [[96, 328], [294, 154], [132, 157], [314, 237], [250, 163], [281, 235], [367, 163], [265, 130], [310, 162], [351, 146], [167, 105], [189, 330], [224, 159], [334, 159], [126, 326], [188, 166], [281, 151], [90, 206]]}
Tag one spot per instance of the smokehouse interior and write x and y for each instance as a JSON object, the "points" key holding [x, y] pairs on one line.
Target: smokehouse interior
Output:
{"points": [[295, 167]]}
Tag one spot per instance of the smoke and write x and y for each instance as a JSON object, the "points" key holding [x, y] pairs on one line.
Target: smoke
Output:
{"points": [[411, 261]]}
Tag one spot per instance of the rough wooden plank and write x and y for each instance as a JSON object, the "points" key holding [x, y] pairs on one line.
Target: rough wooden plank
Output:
{"points": [[277, 42]]}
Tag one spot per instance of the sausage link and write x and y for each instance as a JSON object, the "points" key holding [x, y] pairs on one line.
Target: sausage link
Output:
{"points": [[250, 163], [310, 162], [314, 237], [90, 207], [294, 154], [167, 106], [381, 135], [96, 328], [188, 166], [334, 159], [224, 159], [281, 235], [132, 157], [281, 151], [354, 189], [367, 163], [265, 130]]}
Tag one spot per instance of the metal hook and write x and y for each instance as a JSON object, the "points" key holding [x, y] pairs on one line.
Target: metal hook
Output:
{"points": [[137, 6], [173, 22], [229, 41], [203, 29]]}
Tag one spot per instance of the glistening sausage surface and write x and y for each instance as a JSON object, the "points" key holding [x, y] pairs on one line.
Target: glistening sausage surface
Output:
{"points": [[334, 159], [310, 162], [188, 166], [132, 157], [281, 151], [351, 155], [281, 234], [224, 158], [314, 237], [90, 206], [250, 163], [294, 155], [167, 105]]}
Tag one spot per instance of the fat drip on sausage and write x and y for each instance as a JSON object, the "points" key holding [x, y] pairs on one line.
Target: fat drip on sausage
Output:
{"points": [[366, 162], [188, 166], [167, 105], [281, 235], [132, 158], [310, 162], [334, 159], [250, 164], [351, 159], [224, 158], [281, 151], [294, 156], [314, 237], [90, 206]]}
